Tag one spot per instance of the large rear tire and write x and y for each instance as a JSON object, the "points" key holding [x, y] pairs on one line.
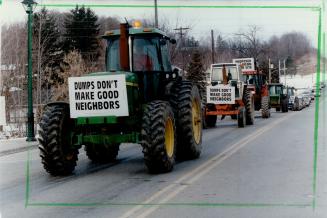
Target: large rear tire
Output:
{"points": [[57, 154], [158, 137], [265, 111], [102, 153], [187, 107], [249, 107], [284, 105]]}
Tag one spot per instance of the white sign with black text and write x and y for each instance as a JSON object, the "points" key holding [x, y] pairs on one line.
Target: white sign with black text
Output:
{"points": [[93, 96], [245, 63], [221, 94]]}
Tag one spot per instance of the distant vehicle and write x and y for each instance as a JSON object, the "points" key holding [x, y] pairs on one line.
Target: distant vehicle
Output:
{"points": [[300, 103], [292, 97], [306, 97], [278, 97], [315, 94]]}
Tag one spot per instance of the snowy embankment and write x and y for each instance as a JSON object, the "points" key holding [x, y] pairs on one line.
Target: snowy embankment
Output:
{"points": [[300, 81]]}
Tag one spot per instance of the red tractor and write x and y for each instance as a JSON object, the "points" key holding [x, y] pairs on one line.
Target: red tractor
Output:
{"points": [[256, 82]]}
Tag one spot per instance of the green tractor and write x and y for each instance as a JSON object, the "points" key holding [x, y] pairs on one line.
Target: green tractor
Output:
{"points": [[278, 97], [138, 99]]}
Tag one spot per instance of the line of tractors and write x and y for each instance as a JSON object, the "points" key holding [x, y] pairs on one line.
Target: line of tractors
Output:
{"points": [[147, 102], [239, 89]]}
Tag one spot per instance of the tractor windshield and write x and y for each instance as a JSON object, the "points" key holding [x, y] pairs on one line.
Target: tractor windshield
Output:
{"points": [[275, 90], [112, 58], [147, 54], [231, 73]]}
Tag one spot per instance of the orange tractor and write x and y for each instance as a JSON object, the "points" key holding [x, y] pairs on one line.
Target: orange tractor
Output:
{"points": [[228, 95], [256, 83]]}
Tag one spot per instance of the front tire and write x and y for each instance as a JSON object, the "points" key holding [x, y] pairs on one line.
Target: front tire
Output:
{"points": [[158, 137], [57, 154]]}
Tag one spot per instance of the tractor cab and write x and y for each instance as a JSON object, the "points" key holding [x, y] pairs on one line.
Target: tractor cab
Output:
{"points": [[144, 53], [227, 74]]}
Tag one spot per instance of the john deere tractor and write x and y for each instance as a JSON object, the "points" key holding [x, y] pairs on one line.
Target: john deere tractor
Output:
{"points": [[138, 99], [278, 97], [228, 95]]}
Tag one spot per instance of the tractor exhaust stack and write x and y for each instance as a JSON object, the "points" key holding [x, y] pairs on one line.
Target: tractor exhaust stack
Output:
{"points": [[123, 45]]}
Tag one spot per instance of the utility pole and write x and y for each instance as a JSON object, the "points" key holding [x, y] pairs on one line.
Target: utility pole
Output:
{"points": [[155, 14], [279, 70], [181, 44], [269, 69], [284, 71], [212, 48]]}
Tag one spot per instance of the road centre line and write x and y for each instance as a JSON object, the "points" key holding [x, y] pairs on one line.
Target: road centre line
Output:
{"points": [[198, 172]]}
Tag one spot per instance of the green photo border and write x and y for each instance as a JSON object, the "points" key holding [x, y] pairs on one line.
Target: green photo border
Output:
{"points": [[321, 42]]}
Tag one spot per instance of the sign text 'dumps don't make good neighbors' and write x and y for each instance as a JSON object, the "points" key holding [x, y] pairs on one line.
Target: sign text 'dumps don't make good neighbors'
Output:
{"points": [[221, 94], [93, 96]]}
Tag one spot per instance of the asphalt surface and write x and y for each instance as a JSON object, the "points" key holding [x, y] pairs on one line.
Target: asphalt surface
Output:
{"points": [[264, 170]]}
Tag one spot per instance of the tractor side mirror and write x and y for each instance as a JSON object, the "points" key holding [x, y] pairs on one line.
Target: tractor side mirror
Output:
{"points": [[172, 41]]}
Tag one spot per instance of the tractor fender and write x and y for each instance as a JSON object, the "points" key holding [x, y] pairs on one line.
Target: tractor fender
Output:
{"points": [[264, 90]]}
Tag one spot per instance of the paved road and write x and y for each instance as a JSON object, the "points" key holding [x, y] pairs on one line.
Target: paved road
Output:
{"points": [[265, 170]]}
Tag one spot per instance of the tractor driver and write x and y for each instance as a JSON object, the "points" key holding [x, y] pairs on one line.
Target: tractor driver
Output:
{"points": [[142, 60]]}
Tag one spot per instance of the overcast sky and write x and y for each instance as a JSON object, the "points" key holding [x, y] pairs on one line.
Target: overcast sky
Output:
{"points": [[223, 20]]}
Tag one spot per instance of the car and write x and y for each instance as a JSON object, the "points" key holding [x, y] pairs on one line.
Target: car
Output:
{"points": [[298, 102], [306, 97], [301, 102]]}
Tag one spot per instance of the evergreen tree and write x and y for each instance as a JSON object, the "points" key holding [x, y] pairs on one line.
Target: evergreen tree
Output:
{"points": [[195, 73], [81, 33]]}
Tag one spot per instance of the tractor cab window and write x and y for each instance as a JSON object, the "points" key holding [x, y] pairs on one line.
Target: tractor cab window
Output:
{"points": [[272, 90], [146, 53], [217, 74], [165, 56], [279, 90], [112, 55], [275, 90], [231, 73]]}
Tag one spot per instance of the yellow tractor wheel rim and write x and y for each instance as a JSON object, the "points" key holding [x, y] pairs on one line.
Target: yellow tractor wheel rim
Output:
{"points": [[169, 137], [196, 121]]}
